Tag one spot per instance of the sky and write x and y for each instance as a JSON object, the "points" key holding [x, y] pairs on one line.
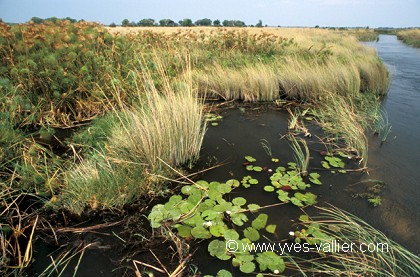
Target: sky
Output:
{"points": [[325, 13]]}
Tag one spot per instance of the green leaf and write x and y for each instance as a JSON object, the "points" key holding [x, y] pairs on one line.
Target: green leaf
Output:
{"points": [[296, 202], [342, 171], [249, 167], [283, 196], [315, 181], [239, 218], [304, 218], [217, 230], [260, 222], [271, 228], [239, 201], [315, 175], [199, 232], [209, 214], [325, 165], [217, 249], [269, 188], [250, 159], [257, 168], [274, 160], [231, 234], [251, 234], [270, 260], [223, 273], [253, 207], [214, 124], [233, 183], [184, 231], [253, 181], [247, 267]]}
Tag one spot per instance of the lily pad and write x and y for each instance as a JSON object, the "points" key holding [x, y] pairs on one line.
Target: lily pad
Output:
{"points": [[253, 207], [271, 228], [260, 222], [252, 234], [247, 267], [250, 159], [217, 249], [199, 232], [239, 201], [269, 188], [258, 168], [233, 183], [223, 273]]}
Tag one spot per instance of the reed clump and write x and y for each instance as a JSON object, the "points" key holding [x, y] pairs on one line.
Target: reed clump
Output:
{"points": [[411, 37]]}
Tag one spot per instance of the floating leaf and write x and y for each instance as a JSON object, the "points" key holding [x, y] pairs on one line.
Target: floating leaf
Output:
{"points": [[314, 175], [274, 160], [231, 234], [304, 218], [271, 228], [184, 231], [249, 167], [239, 201], [251, 234], [269, 188], [217, 230], [296, 202], [223, 273], [253, 181], [260, 222], [247, 267], [199, 232], [233, 183], [325, 165], [315, 181], [283, 196], [342, 171], [209, 214], [214, 124], [253, 207], [217, 249], [250, 159], [239, 218], [257, 168], [270, 260]]}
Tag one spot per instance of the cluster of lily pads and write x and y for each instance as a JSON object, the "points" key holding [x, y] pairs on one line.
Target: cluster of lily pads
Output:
{"points": [[202, 211], [213, 119], [334, 163]]}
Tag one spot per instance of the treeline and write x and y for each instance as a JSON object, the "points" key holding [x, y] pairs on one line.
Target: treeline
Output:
{"points": [[53, 19], [186, 22]]}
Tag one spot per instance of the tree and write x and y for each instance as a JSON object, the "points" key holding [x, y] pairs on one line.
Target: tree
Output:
{"points": [[259, 24], [112, 25], [125, 22], [186, 22], [203, 22], [146, 22], [37, 20], [216, 22], [233, 23], [167, 23]]}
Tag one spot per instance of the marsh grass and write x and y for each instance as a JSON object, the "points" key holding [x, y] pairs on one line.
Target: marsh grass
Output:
{"points": [[411, 37], [390, 260], [141, 144], [301, 156]]}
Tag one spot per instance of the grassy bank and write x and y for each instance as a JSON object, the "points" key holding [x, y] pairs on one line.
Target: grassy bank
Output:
{"points": [[411, 37]]}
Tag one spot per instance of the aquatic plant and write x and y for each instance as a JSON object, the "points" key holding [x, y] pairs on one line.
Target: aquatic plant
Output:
{"points": [[301, 158], [385, 258]]}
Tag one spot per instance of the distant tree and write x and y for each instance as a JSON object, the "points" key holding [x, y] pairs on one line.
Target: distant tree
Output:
{"points": [[125, 22], [72, 20], [203, 22], [216, 22], [52, 19], [112, 25], [37, 20], [146, 22], [167, 23], [132, 24], [226, 23], [1, 20], [259, 24], [186, 22], [316, 26]]}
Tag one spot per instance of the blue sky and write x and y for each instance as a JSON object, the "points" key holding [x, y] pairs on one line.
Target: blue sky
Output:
{"points": [[373, 13]]}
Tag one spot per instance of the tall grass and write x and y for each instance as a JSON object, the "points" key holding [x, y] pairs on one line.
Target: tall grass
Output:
{"points": [[301, 157], [165, 127], [411, 37], [388, 259]]}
